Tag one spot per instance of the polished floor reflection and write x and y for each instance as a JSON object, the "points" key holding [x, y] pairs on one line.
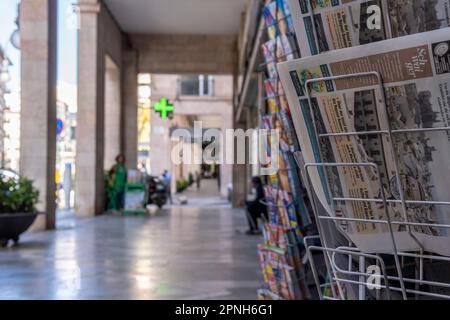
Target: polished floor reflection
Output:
{"points": [[196, 251]]}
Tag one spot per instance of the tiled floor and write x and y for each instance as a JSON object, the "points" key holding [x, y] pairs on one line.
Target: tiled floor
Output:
{"points": [[197, 251]]}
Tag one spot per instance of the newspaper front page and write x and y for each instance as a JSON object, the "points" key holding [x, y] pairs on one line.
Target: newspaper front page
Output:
{"points": [[325, 25], [414, 94]]}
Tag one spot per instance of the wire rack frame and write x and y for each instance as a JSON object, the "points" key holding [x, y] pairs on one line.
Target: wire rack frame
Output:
{"points": [[334, 270]]}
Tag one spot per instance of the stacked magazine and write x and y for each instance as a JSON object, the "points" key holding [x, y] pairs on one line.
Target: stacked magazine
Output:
{"points": [[280, 255]]}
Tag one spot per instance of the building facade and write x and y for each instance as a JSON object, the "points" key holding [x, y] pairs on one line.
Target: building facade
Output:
{"points": [[202, 100], [4, 63], [112, 52]]}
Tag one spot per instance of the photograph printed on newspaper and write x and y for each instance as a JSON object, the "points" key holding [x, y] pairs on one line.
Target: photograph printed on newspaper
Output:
{"points": [[325, 25], [413, 163]]}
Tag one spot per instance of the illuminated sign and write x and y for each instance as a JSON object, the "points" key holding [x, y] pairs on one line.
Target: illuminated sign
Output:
{"points": [[163, 108]]}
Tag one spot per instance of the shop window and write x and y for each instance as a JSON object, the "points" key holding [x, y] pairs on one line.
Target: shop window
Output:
{"points": [[196, 85]]}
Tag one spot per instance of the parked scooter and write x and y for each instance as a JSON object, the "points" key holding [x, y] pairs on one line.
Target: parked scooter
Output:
{"points": [[156, 191]]}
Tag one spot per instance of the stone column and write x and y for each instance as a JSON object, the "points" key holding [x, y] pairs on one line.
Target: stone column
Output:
{"points": [[113, 114], [226, 169], [89, 187], [38, 31], [130, 108], [160, 144], [239, 176]]}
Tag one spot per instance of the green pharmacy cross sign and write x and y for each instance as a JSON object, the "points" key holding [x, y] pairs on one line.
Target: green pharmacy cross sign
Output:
{"points": [[163, 107]]}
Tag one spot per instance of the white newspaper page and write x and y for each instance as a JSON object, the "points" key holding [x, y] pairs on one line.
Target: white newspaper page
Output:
{"points": [[327, 25], [414, 94]]}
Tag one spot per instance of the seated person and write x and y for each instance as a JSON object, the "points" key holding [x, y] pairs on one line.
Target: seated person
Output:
{"points": [[255, 209]]}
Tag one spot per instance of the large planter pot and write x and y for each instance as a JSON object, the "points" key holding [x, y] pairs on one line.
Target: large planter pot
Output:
{"points": [[13, 225]]}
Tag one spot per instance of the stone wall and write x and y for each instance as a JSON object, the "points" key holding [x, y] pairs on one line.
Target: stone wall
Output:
{"points": [[209, 54]]}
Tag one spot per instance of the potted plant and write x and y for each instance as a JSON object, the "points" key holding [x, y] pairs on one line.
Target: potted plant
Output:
{"points": [[182, 185], [18, 198]]}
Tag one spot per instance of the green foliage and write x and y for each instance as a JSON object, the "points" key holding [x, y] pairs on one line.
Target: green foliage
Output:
{"points": [[191, 178], [182, 185], [17, 195]]}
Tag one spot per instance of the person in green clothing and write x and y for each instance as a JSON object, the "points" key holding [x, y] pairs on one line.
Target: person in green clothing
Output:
{"points": [[117, 179]]}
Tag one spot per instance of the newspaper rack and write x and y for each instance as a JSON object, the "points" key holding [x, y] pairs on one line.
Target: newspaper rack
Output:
{"points": [[354, 272]]}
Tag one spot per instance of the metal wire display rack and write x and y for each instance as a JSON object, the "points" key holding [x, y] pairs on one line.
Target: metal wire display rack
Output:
{"points": [[346, 265]]}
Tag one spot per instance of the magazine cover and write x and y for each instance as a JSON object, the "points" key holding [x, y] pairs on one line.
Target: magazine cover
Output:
{"points": [[324, 25], [415, 94], [278, 275]]}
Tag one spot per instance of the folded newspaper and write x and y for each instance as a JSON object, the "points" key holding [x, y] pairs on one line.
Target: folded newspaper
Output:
{"points": [[325, 25], [413, 101]]}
